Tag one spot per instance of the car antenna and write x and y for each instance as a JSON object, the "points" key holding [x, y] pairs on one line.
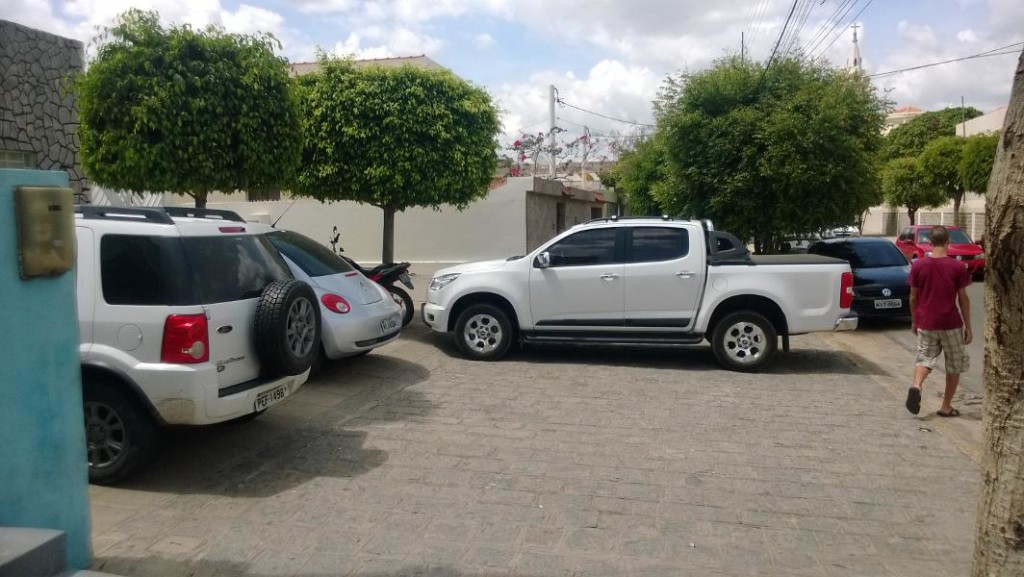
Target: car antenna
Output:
{"points": [[274, 224]]}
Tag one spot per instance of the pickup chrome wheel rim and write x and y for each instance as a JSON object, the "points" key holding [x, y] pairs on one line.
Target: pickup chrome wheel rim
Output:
{"points": [[301, 327], [105, 435], [483, 333], [745, 342]]}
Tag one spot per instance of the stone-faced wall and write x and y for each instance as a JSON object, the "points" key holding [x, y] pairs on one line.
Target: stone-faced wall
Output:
{"points": [[38, 113]]}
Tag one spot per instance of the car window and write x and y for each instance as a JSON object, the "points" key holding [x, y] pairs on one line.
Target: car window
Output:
{"points": [[231, 268], [907, 234], [863, 254], [585, 248], [313, 258], [956, 236], [655, 244], [135, 270]]}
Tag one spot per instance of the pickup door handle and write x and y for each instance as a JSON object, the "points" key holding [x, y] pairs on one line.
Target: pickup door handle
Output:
{"points": [[609, 276], [685, 273]]}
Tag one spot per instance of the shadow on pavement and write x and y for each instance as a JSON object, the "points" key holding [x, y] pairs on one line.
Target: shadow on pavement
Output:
{"points": [[155, 566], [293, 442]]}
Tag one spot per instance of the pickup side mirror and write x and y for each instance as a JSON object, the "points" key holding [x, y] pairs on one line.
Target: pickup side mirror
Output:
{"points": [[543, 260]]}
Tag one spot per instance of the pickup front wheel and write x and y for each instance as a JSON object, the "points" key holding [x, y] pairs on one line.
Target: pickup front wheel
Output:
{"points": [[483, 333], [744, 341]]}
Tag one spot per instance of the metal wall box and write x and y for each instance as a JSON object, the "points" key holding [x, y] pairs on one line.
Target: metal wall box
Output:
{"points": [[46, 231]]}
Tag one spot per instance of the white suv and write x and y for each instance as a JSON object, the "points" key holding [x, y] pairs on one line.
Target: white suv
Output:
{"points": [[187, 317]]}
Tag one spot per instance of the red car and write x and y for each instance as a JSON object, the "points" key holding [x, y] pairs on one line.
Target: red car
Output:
{"points": [[913, 242]]}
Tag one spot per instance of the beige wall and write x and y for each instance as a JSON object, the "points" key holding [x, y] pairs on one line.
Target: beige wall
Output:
{"points": [[487, 229], [541, 216]]}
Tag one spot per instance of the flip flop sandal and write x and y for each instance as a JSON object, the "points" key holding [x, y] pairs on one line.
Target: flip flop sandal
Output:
{"points": [[951, 413], [914, 400]]}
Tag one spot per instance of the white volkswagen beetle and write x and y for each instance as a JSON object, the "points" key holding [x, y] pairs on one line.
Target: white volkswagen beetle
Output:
{"points": [[358, 314]]}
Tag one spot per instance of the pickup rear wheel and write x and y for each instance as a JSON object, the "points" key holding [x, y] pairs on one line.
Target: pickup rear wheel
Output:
{"points": [[483, 333], [744, 341]]}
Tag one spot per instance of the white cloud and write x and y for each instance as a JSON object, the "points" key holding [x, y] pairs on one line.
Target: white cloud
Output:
{"points": [[249, 19], [966, 36], [483, 40]]}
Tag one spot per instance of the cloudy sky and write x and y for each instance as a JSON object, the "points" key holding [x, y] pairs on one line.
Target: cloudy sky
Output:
{"points": [[604, 56]]}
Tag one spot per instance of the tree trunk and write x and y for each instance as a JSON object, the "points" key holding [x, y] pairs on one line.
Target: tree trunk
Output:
{"points": [[387, 255], [958, 198], [999, 539], [910, 213], [200, 198]]}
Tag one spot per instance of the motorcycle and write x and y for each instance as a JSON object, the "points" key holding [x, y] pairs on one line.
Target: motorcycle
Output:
{"points": [[387, 276]]}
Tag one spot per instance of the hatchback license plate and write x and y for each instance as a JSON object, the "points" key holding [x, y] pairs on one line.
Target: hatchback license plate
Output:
{"points": [[389, 326], [889, 304], [267, 398]]}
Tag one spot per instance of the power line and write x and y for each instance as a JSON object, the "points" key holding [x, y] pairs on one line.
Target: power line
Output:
{"points": [[801, 20], [828, 25], [633, 122], [852, 20], [1002, 51], [777, 42], [755, 28]]}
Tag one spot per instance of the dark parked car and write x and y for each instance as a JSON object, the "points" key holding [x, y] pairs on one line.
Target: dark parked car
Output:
{"points": [[880, 274]]}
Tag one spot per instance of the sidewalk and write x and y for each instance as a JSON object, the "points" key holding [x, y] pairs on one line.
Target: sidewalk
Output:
{"points": [[411, 461]]}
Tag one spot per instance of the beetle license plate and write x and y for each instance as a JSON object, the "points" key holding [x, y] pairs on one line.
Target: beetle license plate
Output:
{"points": [[267, 398], [889, 304], [389, 325]]}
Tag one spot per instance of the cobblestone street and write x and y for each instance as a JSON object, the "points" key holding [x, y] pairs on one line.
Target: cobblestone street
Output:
{"points": [[412, 461]]}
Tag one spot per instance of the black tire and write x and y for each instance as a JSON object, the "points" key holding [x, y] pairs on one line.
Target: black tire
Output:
{"points": [[318, 361], [121, 436], [405, 301], [483, 333], [744, 341], [250, 417], [287, 327]]}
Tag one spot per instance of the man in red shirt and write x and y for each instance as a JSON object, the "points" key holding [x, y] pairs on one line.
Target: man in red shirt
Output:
{"points": [[938, 284]]}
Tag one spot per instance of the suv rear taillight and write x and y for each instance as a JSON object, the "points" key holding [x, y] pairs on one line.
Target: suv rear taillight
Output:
{"points": [[846, 290], [186, 340]]}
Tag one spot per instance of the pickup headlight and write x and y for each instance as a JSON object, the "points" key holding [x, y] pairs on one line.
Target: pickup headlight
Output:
{"points": [[439, 282]]}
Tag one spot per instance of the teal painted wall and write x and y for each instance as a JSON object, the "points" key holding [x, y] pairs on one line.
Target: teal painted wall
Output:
{"points": [[43, 471]]}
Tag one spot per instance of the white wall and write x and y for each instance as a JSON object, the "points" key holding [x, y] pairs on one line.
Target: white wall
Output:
{"points": [[494, 227]]}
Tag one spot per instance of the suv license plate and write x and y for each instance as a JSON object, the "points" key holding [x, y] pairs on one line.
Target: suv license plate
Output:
{"points": [[267, 398], [889, 304], [389, 326]]}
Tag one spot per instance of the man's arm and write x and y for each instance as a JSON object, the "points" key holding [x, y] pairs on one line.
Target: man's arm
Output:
{"points": [[965, 313], [913, 309]]}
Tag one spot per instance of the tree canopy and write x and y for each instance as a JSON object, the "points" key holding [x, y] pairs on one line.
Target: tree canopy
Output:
{"points": [[976, 162], [940, 165], [910, 138], [636, 174], [766, 154], [904, 185], [186, 111], [395, 138]]}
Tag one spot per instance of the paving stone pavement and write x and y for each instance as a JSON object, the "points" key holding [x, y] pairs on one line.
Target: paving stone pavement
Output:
{"points": [[556, 462]]}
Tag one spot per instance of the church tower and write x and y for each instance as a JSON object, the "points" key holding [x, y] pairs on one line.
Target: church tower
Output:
{"points": [[854, 64]]}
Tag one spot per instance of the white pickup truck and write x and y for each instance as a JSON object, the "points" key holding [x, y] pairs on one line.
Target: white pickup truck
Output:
{"points": [[643, 282]]}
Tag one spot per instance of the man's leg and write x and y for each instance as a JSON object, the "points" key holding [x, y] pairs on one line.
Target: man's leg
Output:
{"points": [[952, 382], [928, 349], [921, 373], [957, 362]]}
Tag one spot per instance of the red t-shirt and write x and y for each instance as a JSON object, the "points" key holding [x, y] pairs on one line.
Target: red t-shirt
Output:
{"points": [[938, 280]]}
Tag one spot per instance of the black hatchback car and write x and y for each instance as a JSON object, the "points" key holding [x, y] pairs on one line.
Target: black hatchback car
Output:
{"points": [[880, 272]]}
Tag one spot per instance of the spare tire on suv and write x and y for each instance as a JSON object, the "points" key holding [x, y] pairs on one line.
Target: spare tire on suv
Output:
{"points": [[287, 327]]}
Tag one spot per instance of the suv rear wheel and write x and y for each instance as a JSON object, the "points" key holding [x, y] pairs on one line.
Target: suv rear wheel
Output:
{"points": [[120, 435]]}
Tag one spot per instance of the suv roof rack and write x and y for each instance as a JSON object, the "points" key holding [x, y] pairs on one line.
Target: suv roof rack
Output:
{"points": [[616, 218], [211, 213], [157, 215]]}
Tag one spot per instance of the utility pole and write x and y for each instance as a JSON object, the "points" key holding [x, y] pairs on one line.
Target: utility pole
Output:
{"points": [[551, 133], [963, 117], [743, 48]]}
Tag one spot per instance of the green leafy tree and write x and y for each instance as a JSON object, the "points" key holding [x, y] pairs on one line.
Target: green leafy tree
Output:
{"points": [[940, 164], [976, 163], [910, 138], [904, 185], [635, 175], [395, 138], [792, 153], [186, 111]]}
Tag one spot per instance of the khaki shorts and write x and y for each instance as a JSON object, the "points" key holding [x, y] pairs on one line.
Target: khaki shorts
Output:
{"points": [[951, 342]]}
